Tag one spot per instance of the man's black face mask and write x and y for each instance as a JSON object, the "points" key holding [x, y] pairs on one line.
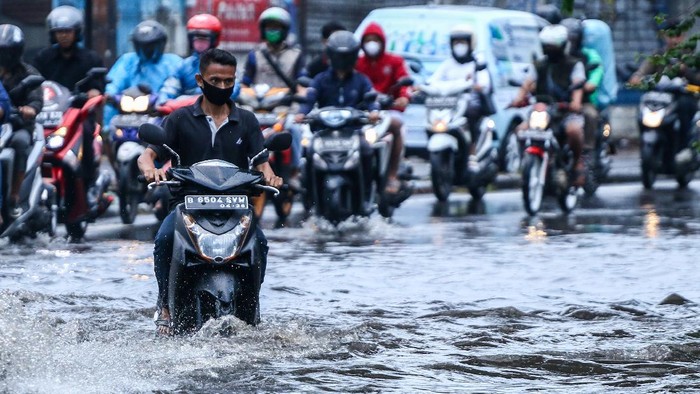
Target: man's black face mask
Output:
{"points": [[215, 95]]}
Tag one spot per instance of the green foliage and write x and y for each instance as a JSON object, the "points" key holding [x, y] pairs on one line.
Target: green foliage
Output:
{"points": [[684, 56]]}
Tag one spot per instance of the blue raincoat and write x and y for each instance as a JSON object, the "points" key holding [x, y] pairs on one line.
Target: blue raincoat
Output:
{"points": [[129, 71], [597, 35]]}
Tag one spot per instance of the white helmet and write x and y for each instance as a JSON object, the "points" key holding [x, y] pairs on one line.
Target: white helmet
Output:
{"points": [[554, 35], [463, 32]]}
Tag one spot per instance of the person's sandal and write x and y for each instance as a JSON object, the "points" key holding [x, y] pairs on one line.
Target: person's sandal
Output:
{"points": [[164, 327], [393, 186]]}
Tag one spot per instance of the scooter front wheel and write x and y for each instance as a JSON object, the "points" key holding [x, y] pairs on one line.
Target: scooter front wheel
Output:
{"points": [[76, 230], [648, 166], [442, 173], [533, 185]]}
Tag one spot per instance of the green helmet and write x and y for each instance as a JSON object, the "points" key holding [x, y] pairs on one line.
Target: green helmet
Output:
{"points": [[275, 14]]}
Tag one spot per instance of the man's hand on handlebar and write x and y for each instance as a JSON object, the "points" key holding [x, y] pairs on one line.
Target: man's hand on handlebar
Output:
{"points": [[155, 175]]}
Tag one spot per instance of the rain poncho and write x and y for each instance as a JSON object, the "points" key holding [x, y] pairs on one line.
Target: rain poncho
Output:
{"points": [[597, 35]]}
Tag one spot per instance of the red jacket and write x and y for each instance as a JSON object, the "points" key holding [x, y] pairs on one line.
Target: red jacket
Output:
{"points": [[385, 69]]}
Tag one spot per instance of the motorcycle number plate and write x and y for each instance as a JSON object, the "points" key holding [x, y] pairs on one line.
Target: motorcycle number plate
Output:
{"points": [[216, 202], [536, 135], [129, 120], [49, 118], [650, 137], [440, 102], [266, 119]]}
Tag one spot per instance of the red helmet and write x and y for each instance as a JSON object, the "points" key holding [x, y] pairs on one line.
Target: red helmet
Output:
{"points": [[204, 25]]}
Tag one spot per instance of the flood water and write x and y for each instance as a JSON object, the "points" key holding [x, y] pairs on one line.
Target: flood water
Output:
{"points": [[447, 298]]}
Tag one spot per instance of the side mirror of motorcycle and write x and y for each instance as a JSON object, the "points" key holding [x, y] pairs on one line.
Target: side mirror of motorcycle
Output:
{"points": [[30, 82], [515, 83], [97, 72], [480, 66], [276, 142], [152, 134], [405, 81], [145, 88], [304, 81]]}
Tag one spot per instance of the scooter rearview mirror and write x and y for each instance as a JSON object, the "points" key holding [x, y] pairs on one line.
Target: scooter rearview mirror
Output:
{"points": [[277, 142], [152, 134]]}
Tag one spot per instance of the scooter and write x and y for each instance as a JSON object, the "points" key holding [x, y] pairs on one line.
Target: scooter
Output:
{"points": [[37, 198], [65, 161], [662, 151], [449, 141], [218, 262]]}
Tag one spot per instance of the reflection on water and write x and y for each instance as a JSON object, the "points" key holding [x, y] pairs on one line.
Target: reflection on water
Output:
{"points": [[431, 302]]}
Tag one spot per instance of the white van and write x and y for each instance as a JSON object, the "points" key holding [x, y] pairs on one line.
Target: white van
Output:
{"points": [[506, 40]]}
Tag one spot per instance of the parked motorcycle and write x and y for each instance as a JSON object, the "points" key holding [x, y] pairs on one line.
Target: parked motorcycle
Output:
{"points": [[449, 141], [271, 107], [661, 147], [548, 165], [37, 198], [65, 161], [218, 262]]}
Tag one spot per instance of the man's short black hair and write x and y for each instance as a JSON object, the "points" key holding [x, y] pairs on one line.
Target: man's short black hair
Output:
{"points": [[330, 28], [218, 56]]}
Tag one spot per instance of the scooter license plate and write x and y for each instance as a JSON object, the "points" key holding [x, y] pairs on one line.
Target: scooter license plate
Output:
{"points": [[49, 118], [441, 102], [266, 119], [536, 135], [216, 202], [129, 120]]}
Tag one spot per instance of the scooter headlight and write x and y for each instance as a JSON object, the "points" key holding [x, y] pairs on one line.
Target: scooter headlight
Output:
{"points": [[439, 119], [651, 118], [126, 104], [57, 139], [539, 120], [371, 135], [218, 248], [141, 103]]}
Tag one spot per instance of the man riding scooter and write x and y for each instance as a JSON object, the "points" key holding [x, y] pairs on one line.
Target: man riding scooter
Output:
{"points": [[554, 76], [385, 70]]}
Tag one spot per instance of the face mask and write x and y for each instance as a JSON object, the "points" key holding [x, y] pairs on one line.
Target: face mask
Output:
{"points": [[273, 36], [372, 48], [200, 45], [460, 50], [216, 96]]}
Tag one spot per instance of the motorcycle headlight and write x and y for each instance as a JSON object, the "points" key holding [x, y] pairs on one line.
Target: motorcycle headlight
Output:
{"points": [[539, 120], [218, 248], [439, 119], [141, 103], [126, 104], [57, 138], [335, 117], [653, 118], [371, 135]]}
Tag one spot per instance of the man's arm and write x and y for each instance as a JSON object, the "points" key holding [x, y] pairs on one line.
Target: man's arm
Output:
{"points": [[249, 70], [578, 75], [4, 103], [147, 166]]}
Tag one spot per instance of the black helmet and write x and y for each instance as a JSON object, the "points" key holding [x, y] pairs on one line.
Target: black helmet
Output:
{"points": [[149, 38], [549, 12], [65, 17], [342, 50], [574, 28], [11, 46]]}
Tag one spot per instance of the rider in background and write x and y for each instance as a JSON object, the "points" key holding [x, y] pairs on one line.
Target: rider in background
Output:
{"points": [[319, 64], [594, 76], [554, 76], [463, 65], [146, 65], [385, 69], [12, 71], [278, 64], [65, 61], [686, 105], [203, 32], [4, 111]]}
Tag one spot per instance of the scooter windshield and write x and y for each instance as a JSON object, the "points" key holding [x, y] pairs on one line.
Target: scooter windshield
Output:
{"points": [[217, 175]]}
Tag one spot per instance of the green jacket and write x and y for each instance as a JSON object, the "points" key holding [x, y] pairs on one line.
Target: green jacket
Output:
{"points": [[594, 76]]}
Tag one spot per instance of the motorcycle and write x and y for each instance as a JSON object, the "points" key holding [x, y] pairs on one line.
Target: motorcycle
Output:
{"points": [[65, 162], [218, 263], [548, 165], [271, 108], [661, 149], [37, 197], [137, 105], [346, 162], [449, 141]]}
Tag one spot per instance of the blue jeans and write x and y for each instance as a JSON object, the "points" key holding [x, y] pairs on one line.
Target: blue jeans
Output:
{"points": [[163, 253], [295, 131]]}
